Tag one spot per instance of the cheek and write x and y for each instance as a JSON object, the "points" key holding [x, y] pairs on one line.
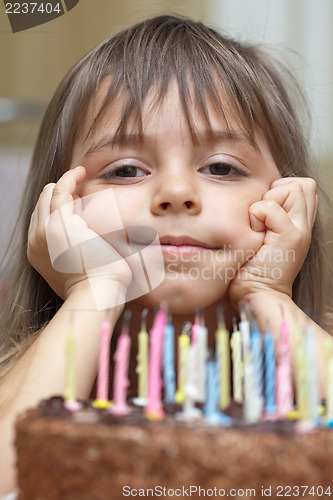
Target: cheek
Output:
{"points": [[100, 210], [232, 223]]}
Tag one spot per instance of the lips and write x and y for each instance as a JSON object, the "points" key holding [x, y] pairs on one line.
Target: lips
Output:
{"points": [[183, 241]]}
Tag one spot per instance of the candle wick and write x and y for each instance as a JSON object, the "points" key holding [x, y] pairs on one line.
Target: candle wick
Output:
{"points": [[186, 328], [144, 320], [196, 315], [126, 320], [220, 317], [164, 306], [242, 312]]}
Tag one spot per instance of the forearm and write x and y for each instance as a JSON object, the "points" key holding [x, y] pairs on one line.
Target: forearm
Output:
{"points": [[267, 309], [42, 369], [41, 372]]}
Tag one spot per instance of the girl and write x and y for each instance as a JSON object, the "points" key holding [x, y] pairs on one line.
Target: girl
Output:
{"points": [[192, 135]]}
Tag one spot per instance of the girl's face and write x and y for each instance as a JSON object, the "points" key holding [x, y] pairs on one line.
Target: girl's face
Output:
{"points": [[196, 197]]}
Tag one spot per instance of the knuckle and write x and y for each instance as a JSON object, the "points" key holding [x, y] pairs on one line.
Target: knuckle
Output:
{"points": [[271, 204], [57, 190]]}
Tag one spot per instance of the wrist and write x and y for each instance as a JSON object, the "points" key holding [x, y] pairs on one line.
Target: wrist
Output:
{"points": [[265, 307], [97, 294]]}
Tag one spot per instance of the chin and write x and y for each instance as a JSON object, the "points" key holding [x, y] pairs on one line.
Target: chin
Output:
{"points": [[183, 298]]}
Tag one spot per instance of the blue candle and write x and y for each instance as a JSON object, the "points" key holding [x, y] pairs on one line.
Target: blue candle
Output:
{"points": [[258, 366], [270, 374], [213, 415], [169, 364]]}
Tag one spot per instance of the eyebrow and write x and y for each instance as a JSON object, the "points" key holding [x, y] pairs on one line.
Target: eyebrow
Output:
{"points": [[136, 139]]}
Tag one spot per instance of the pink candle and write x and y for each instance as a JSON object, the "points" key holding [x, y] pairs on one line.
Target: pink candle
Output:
{"points": [[284, 390], [154, 408], [121, 381], [103, 366]]}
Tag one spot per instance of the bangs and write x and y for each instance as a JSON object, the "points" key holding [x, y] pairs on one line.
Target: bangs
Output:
{"points": [[146, 60]]}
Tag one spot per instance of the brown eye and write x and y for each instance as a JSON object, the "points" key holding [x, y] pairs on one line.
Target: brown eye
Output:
{"points": [[220, 169], [127, 172]]}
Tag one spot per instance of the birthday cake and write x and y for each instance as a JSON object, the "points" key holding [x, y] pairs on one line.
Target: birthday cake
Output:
{"points": [[93, 455], [181, 442]]}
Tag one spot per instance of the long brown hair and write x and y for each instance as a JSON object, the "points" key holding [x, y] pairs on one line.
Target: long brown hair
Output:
{"points": [[206, 64]]}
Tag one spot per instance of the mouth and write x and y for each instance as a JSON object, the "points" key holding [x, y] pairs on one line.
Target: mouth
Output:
{"points": [[183, 244]]}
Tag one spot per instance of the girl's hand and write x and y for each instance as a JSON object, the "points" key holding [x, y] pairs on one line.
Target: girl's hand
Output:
{"points": [[53, 220], [286, 214]]}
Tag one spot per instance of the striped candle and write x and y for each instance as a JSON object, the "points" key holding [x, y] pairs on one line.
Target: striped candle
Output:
{"points": [[237, 363], [284, 390]]}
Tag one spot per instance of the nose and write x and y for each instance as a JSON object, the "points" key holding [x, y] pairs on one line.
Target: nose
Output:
{"points": [[175, 195]]}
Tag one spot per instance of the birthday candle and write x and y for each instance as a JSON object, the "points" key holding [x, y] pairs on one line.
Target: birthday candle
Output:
{"points": [[168, 363], [189, 411], [102, 393], [302, 378], [69, 394], [313, 389], [154, 409], [244, 328], [142, 359], [202, 348], [121, 381], [196, 363], [258, 366], [212, 414], [237, 364], [223, 360], [183, 352], [270, 374], [252, 412], [284, 391]]}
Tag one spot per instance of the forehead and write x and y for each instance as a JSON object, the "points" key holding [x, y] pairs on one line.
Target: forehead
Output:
{"points": [[107, 116]]}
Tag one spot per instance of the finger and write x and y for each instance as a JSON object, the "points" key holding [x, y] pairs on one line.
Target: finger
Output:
{"points": [[63, 191], [272, 215], [309, 188], [44, 204], [42, 211], [33, 222], [290, 196]]}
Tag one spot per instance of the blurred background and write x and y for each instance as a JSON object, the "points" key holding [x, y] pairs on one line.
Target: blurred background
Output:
{"points": [[33, 62]]}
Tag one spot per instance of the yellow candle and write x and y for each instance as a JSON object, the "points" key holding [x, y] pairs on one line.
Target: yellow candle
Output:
{"points": [[237, 364], [223, 356], [69, 394], [142, 366], [183, 352]]}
